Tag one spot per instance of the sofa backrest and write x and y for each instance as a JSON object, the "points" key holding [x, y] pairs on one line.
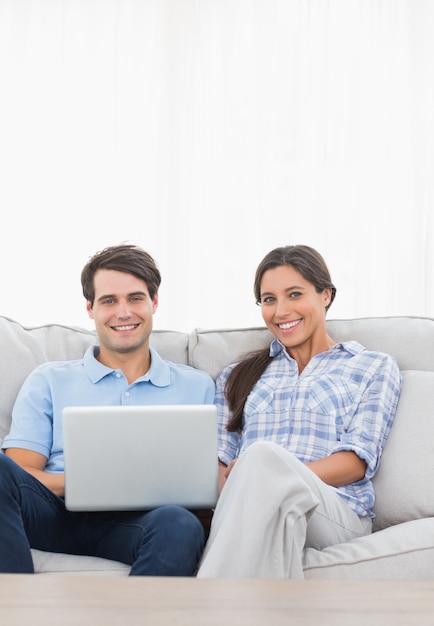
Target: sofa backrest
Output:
{"points": [[409, 339], [403, 486], [22, 349]]}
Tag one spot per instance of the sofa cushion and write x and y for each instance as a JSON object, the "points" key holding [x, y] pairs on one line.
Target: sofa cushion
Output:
{"points": [[400, 552], [22, 349], [211, 350], [57, 563], [403, 484], [408, 339]]}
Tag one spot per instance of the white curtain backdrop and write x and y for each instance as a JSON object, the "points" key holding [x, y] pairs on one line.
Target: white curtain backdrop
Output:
{"points": [[209, 132]]}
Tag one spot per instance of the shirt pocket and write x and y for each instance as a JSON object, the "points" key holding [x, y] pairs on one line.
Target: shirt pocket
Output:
{"points": [[262, 398], [335, 398]]}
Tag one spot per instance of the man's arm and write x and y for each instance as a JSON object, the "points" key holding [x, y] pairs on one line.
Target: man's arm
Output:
{"points": [[34, 463]]}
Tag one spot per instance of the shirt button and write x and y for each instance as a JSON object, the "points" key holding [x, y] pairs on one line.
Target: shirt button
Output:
{"points": [[127, 393], [118, 375]]}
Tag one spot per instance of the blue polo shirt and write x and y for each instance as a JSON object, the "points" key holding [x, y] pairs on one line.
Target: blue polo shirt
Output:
{"points": [[37, 414]]}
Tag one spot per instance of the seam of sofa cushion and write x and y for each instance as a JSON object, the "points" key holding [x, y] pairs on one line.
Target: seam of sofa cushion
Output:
{"points": [[342, 563]]}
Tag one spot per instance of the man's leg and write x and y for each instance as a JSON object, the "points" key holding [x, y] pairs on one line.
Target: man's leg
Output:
{"points": [[31, 516], [167, 541]]}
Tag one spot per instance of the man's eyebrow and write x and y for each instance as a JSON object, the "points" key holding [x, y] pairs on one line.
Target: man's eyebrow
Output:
{"points": [[105, 296], [110, 296], [138, 293]]}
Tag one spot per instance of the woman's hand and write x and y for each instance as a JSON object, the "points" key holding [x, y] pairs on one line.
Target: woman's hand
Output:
{"points": [[224, 471]]}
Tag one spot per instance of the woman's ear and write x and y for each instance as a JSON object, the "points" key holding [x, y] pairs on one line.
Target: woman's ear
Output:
{"points": [[327, 296]]}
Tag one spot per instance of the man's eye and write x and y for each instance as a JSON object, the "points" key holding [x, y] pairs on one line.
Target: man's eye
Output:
{"points": [[295, 294]]}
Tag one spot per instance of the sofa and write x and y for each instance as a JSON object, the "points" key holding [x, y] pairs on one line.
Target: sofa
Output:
{"points": [[402, 543]]}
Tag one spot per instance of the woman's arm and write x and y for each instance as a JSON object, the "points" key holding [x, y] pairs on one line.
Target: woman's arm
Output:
{"points": [[339, 469]]}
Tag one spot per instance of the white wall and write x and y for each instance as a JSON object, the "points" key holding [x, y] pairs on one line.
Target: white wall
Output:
{"points": [[210, 132]]}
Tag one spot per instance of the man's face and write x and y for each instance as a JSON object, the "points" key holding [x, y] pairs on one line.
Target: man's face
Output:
{"points": [[122, 311]]}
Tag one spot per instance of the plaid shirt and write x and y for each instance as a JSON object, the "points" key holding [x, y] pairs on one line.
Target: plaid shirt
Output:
{"points": [[345, 399]]}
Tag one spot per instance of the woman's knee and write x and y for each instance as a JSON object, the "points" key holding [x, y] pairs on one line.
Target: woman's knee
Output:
{"points": [[263, 452], [265, 460]]}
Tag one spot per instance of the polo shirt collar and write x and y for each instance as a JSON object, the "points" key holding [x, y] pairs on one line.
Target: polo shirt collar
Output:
{"points": [[158, 374]]}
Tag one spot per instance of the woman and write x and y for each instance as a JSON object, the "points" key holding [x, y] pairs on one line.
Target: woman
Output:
{"points": [[302, 427]]}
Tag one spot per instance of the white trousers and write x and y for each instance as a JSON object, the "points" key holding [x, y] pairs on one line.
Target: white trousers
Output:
{"points": [[270, 508]]}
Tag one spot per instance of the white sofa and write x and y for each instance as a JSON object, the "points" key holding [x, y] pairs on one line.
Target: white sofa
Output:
{"points": [[402, 544]]}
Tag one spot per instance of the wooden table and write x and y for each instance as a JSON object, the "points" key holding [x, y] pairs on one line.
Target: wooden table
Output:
{"points": [[58, 600]]}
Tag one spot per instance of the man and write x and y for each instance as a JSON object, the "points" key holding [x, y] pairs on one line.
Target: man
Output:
{"points": [[120, 285]]}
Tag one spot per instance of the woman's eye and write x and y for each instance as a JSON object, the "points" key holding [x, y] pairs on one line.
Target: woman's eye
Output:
{"points": [[295, 294]]}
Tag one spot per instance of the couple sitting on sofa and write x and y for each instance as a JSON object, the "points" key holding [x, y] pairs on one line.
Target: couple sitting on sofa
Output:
{"points": [[301, 428]]}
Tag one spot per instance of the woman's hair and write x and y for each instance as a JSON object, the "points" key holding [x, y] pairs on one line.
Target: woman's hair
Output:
{"points": [[126, 258], [310, 264]]}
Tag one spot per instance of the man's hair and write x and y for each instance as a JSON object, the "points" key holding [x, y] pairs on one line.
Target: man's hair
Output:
{"points": [[126, 258]]}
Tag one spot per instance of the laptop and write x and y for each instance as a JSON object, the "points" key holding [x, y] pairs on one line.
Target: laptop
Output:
{"points": [[120, 458]]}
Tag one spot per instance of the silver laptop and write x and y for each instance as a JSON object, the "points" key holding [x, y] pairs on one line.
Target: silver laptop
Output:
{"points": [[140, 457]]}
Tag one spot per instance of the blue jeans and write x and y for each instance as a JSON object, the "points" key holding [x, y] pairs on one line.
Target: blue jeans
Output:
{"points": [[167, 541]]}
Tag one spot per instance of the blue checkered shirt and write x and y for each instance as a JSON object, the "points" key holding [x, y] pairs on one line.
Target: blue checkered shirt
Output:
{"points": [[345, 399]]}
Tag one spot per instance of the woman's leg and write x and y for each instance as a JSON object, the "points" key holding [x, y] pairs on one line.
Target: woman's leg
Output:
{"points": [[271, 506]]}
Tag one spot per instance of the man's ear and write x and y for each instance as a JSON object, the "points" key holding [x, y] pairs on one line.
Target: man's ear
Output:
{"points": [[89, 309], [155, 303]]}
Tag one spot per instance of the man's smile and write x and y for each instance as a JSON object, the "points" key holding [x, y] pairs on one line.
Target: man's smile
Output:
{"points": [[125, 327]]}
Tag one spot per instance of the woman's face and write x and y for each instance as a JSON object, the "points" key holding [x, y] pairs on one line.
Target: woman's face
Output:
{"points": [[292, 308]]}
